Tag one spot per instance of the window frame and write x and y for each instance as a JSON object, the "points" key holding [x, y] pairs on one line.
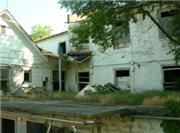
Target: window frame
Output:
{"points": [[8, 76], [3, 29], [64, 51], [30, 76], [168, 68], [161, 35], [83, 82], [122, 69], [10, 118]]}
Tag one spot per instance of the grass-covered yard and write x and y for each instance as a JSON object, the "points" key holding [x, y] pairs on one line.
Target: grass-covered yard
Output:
{"points": [[110, 98]]}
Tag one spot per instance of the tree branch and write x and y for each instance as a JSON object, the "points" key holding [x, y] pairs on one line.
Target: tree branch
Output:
{"points": [[161, 28]]}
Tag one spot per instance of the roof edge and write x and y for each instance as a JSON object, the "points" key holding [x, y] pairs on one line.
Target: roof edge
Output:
{"points": [[52, 36]]}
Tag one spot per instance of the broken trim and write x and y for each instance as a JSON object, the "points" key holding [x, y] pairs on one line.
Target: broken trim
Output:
{"points": [[64, 58], [87, 122]]}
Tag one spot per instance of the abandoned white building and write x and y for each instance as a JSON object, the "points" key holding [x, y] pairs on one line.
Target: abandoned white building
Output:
{"points": [[140, 63], [22, 63]]}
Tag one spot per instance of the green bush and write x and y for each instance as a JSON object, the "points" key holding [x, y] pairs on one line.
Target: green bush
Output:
{"points": [[173, 108], [6, 89]]}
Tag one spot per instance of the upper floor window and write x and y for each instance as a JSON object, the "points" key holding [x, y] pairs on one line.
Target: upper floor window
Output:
{"points": [[165, 19], [3, 29], [62, 48], [123, 38]]}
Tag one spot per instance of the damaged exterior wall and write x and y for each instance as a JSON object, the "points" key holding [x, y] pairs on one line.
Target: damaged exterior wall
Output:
{"points": [[71, 69], [130, 125], [110, 124], [72, 74], [146, 49], [144, 56], [52, 43], [18, 55]]}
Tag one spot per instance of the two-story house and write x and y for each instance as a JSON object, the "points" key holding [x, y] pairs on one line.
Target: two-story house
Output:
{"points": [[140, 63], [22, 63]]}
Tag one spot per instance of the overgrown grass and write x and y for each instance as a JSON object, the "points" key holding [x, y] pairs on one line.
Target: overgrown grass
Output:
{"points": [[53, 96], [127, 98], [113, 98]]}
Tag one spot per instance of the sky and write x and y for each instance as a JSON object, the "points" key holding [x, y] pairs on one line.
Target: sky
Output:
{"points": [[31, 12]]}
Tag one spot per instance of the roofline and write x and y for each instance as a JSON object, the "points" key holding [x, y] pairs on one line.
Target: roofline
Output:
{"points": [[49, 37], [23, 32]]}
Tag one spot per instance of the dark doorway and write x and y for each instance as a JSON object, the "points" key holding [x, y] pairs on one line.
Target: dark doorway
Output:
{"points": [[56, 80], [63, 81], [83, 79], [8, 126]]}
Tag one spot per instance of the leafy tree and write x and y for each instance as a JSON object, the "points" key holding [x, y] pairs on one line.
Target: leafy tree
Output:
{"points": [[107, 21], [39, 32]]}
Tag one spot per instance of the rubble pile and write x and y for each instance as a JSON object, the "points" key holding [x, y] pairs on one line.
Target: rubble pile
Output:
{"points": [[108, 87], [23, 91], [95, 88]]}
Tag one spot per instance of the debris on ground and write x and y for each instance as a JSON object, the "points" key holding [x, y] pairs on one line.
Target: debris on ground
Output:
{"points": [[86, 91], [95, 88], [25, 89]]}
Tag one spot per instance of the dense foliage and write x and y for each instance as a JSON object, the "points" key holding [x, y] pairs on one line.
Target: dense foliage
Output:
{"points": [[39, 32], [173, 108], [108, 21]]}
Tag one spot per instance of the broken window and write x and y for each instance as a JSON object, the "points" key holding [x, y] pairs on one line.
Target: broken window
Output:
{"points": [[33, 127], [62, 48], [3, 29], [28, 76], [83, 79], [122, 79], [8, 126], [171, 74], [123, 38], [4, 78], [165, 19]]}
